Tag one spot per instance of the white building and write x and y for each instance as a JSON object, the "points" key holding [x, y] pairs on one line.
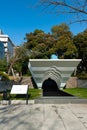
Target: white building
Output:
{"points": [[8, 45], [1, 50]]}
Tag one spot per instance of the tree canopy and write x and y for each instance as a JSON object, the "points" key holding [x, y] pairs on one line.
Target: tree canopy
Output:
{"points": [[80, 41], [65, 48], [59, 30], [39, 44], [43, 45]]}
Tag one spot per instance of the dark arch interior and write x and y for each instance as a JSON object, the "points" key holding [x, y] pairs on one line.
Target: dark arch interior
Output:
{"points": [[50, 88]]}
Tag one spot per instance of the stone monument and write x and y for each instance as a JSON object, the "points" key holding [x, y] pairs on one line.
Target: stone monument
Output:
{"points": [[52, 74]]}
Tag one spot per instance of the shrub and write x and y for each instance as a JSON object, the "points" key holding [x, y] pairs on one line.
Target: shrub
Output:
{"points": [[4, 76], [82, 76]]}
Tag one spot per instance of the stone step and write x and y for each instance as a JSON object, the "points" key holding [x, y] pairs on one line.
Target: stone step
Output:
{"points": [[60, 100]]}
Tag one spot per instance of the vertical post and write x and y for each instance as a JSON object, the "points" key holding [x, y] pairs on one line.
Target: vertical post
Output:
{"points": [[27, 97]]}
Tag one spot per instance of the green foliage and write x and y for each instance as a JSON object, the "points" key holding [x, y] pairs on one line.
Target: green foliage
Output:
{"points": [[19, 60], [35, 93], [80, 40], [65, 48], [3, 65], [60, 30], [4, 76], [21, 53], [42, 45], [82, 75], [18, 66], [39, 44], [78, 92]]}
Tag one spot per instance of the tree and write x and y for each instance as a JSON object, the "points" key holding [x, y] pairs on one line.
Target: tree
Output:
{"points": [[3, 65], [39, 44], [75, 8], [80, 41], [59, 30], [21, 55], [64, 46], [60, 42], [32, 39]]}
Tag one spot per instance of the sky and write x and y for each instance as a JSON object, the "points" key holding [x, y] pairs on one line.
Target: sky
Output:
{"points": [[18, 17]]}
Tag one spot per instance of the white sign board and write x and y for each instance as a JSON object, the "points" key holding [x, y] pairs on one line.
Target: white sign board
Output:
{"points": [[19, 89]]}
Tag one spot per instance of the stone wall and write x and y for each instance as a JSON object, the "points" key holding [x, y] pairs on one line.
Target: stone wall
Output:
{"points": [[27, 80], [74, 82], [82, 83]]}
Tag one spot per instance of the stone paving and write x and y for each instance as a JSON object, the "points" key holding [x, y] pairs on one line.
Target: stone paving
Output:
{"points": [[19, 116]]}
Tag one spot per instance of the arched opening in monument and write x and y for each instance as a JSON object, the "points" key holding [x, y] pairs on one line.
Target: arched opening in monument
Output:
{"points": [[50, 87]]}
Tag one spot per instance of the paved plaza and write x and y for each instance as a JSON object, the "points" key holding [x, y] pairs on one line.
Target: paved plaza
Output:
{"points": [[19, 116]]}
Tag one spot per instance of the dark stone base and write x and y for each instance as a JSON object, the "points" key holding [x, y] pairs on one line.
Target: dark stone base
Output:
{"points": [[56, 93]]}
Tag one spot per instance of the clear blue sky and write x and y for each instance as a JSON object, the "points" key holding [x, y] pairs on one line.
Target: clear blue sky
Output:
{"points": [[18, 17]]}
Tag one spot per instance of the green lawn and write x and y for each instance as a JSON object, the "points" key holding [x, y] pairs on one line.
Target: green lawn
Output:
{"points": [[32, 94], [36, 93], [79, 92]]}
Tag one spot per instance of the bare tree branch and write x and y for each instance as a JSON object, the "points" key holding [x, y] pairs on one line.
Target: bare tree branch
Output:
{"points": [[76, 8], [69, 6], [78, 21]]}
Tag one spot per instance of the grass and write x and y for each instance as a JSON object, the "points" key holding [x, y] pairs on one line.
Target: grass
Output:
{"points": [[78, 92], [35, 93], [32, 94]]}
